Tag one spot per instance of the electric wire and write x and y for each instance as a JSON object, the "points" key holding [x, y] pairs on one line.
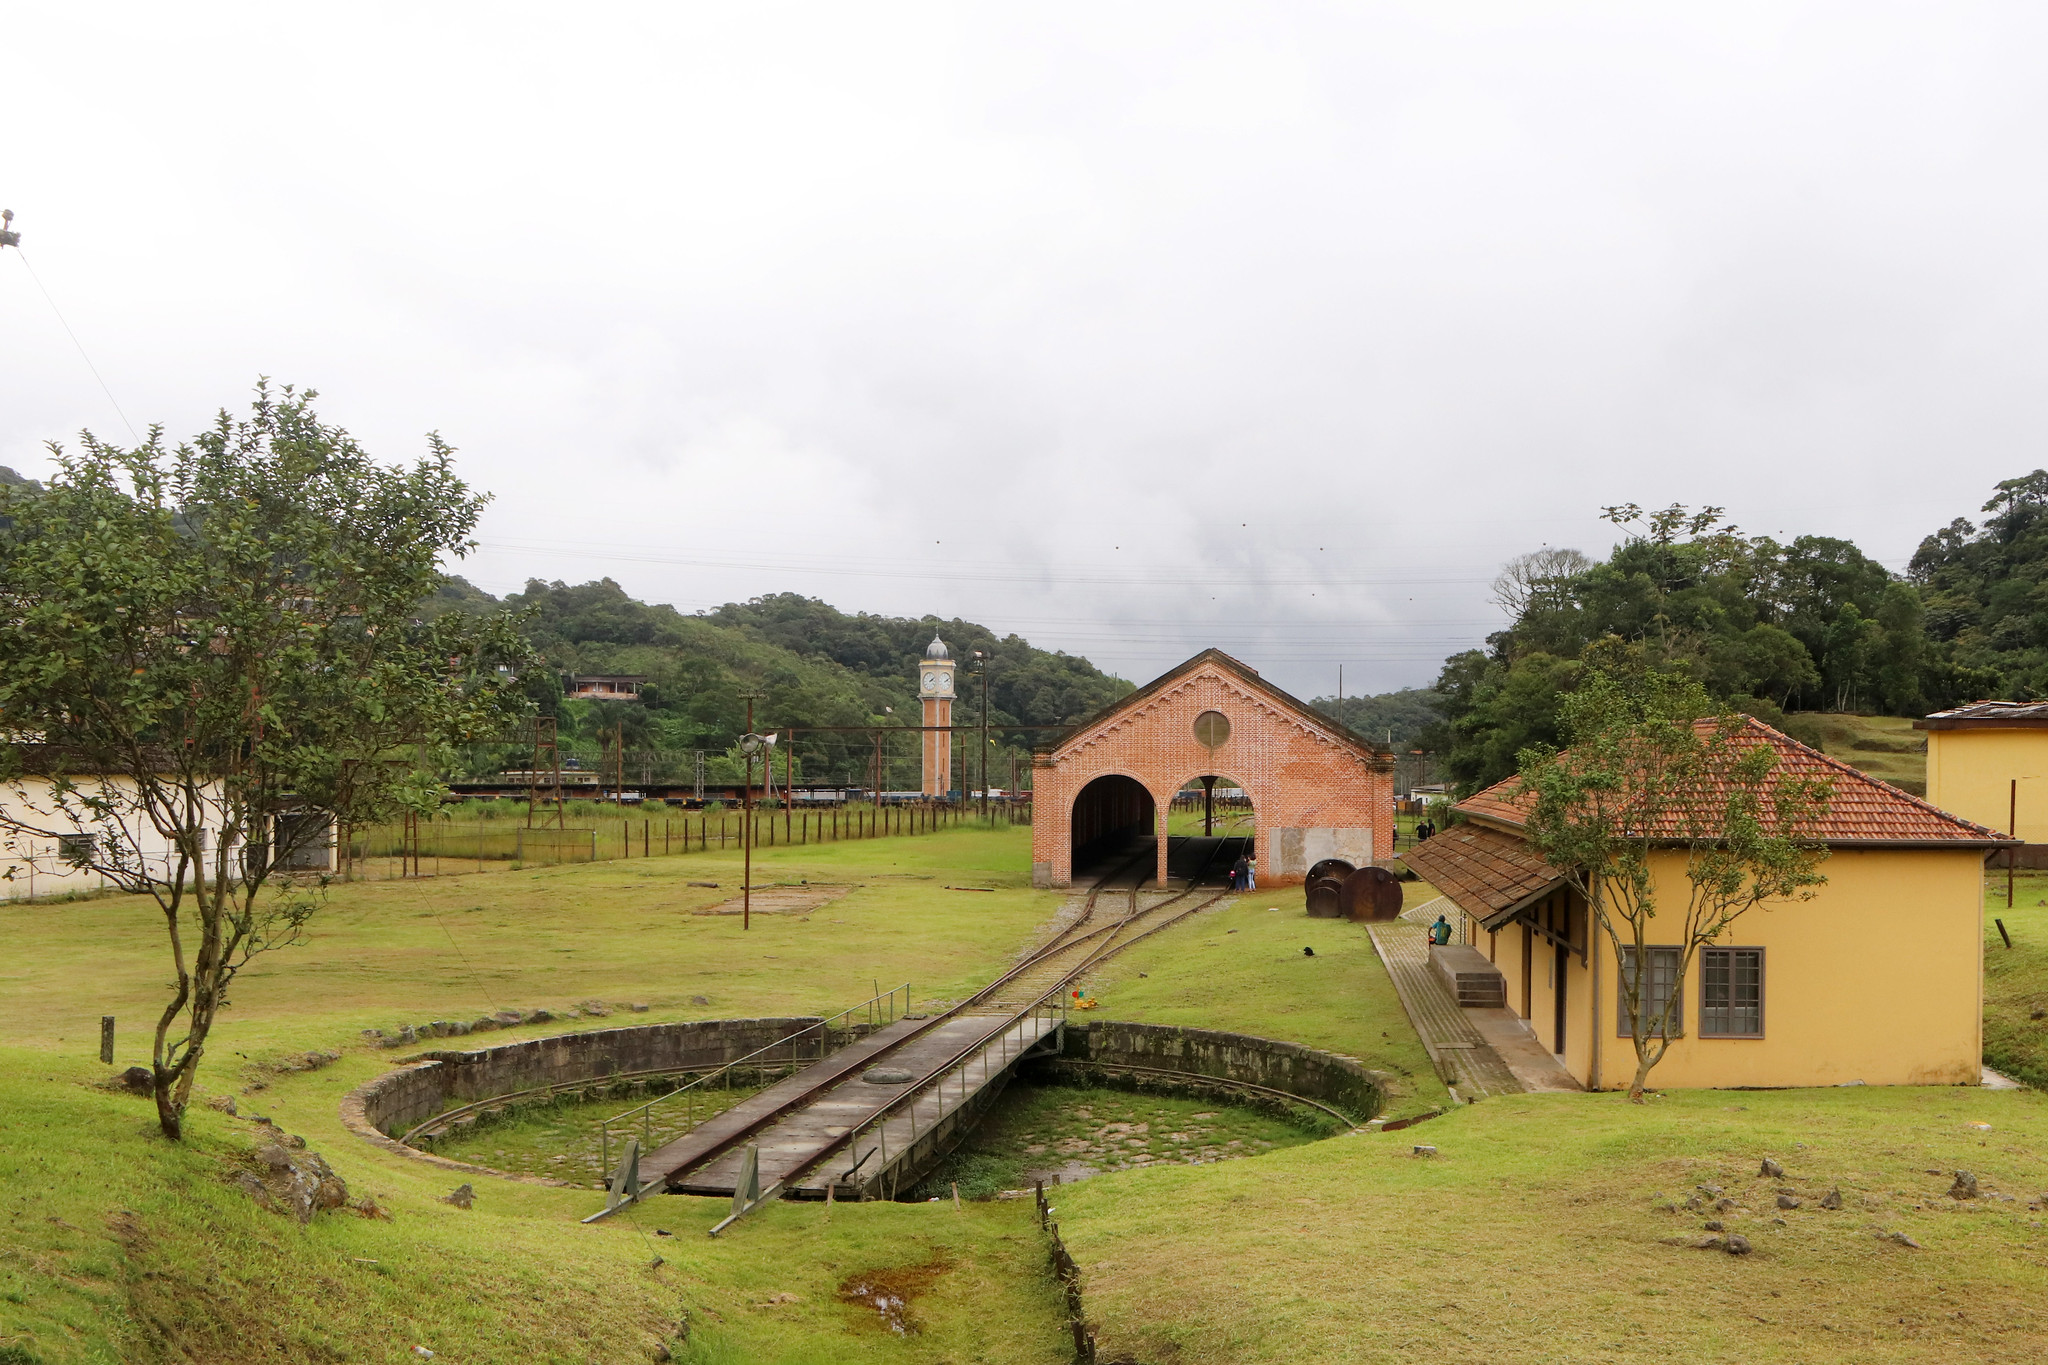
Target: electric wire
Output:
{"points": [[63, 322]]}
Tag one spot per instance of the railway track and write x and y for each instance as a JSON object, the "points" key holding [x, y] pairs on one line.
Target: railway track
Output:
{"points": [[1007, 1004]]}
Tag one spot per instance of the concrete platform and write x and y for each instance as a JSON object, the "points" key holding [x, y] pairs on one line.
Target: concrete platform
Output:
{"points": [[1534, 1066], [1472, 981]]}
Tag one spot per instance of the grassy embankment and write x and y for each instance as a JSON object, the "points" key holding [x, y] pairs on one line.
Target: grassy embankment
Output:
{"points": [[2016, 978], [118, 1246], [1240, 968], [1537, 1234], [191, 1266], [1886, 747]]}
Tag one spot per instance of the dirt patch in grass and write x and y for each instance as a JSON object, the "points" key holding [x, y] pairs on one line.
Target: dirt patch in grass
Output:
{"points": [[887, 1298], [779, 900]]}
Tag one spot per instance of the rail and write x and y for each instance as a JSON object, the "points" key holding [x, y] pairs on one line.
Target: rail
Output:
{"points": [[934, 1081], [1008, 1046], [881, 1011]]}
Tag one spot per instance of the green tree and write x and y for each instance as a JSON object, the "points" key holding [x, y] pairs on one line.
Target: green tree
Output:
{"points": [[213, 658], [1653, 772]]}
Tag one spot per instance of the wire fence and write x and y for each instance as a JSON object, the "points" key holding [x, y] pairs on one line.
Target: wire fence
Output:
{"points": [[427, 848]]}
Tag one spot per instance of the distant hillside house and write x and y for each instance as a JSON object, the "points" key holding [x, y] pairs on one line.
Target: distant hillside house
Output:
{"points": [[1988, 762], [606, 686], [1878, 979]]}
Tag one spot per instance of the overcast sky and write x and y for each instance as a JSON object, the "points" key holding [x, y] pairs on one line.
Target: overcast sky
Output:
{"points": [[1131, 328]]}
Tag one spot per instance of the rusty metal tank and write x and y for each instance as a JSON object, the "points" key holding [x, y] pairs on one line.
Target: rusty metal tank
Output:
{"points": [[1370, 893], [1324, 888]]}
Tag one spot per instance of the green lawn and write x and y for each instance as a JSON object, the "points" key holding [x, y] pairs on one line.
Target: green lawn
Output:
{"points": [[1537, 1234], [1533, 1235], [1240, 968], [116, 1246], [119, 1247], [1223, 823], [2016, 978]]}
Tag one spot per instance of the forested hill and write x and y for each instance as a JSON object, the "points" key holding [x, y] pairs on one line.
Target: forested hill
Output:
{"points": [[809, 663], [1811, 625]]}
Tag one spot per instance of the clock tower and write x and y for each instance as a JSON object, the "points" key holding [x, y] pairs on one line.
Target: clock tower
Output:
{"points": [[935, 690]]}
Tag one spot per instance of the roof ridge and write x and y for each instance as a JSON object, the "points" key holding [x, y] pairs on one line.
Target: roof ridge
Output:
{"points": [[1858, 803], [1889, 789], [1246, 674]]}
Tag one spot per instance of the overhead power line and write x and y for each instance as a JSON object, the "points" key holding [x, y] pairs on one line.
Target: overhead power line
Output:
{"points": [[9, 237]]}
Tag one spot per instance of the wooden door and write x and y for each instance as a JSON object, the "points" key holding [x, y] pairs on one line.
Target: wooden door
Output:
{"points": [[1528, 969], [1563, 960]]}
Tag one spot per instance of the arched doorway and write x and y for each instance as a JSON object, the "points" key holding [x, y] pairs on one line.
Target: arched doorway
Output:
{"points": [[1112, 815], [1213, 823]]}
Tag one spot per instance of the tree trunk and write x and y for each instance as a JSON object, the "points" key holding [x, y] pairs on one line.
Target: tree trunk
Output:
{"points": [[169, 1116], [1641, 1082]]}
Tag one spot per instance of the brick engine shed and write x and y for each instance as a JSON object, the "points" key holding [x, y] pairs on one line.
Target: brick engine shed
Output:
{"points": [[1317, 790]]}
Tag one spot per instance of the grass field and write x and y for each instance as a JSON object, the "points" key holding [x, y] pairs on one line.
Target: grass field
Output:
{"points": [[1886, 747], [1240, 968], [118, 1246], [1537, 1233], [193, 1270], [2016, 978]]}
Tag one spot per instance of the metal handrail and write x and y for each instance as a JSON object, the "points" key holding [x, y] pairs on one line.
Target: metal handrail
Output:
{"points": [[960, 1059], [936, 1078], [874, 1005]]}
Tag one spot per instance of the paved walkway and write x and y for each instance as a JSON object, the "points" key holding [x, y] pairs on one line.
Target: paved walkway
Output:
{"points": [[1463, 1057], [1481, 1052]]}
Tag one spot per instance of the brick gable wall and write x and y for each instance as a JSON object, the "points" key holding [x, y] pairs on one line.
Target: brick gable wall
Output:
{"points": [[1314, 793]]}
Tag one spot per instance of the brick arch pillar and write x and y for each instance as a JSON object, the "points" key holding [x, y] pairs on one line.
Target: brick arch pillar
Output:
{"points": [[1162, 807]]}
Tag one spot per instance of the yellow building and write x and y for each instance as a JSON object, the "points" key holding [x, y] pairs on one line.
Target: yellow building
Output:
{"points": [[1988, 762], [1878, 978]]}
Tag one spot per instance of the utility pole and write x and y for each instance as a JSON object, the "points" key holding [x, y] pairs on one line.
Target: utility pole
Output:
{"points": [[547, 764], [981, 663], [750, 745]]}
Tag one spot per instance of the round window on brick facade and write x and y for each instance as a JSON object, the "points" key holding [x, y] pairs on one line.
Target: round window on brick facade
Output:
{"points": [[1212, 728]]}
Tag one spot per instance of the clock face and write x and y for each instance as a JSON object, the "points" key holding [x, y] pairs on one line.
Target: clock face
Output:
{"points": [[931, 681]]}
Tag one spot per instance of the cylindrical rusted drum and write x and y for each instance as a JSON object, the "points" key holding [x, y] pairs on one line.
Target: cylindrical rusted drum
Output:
{"points": [[1371, 893], [1323, 888]]}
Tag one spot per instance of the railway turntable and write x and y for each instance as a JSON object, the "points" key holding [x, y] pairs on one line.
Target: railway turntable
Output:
{"points": [[868, 1129]]}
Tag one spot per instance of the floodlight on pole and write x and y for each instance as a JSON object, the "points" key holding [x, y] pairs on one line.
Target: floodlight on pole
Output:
{"points": [[751, 746]]}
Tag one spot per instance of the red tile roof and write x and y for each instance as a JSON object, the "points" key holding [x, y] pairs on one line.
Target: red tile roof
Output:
{"points": [[1483, 870], [1864, 810]]}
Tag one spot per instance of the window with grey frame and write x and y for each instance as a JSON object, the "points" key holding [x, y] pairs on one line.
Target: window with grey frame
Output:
{"points": [[1732, 993], [1660, 988]]}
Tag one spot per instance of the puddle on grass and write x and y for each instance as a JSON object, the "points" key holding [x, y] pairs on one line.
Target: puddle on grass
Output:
{"points": [[886, 1296]]}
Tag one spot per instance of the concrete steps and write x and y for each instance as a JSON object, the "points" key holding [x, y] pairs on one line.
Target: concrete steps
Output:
{"points": [[1473, 982]]}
